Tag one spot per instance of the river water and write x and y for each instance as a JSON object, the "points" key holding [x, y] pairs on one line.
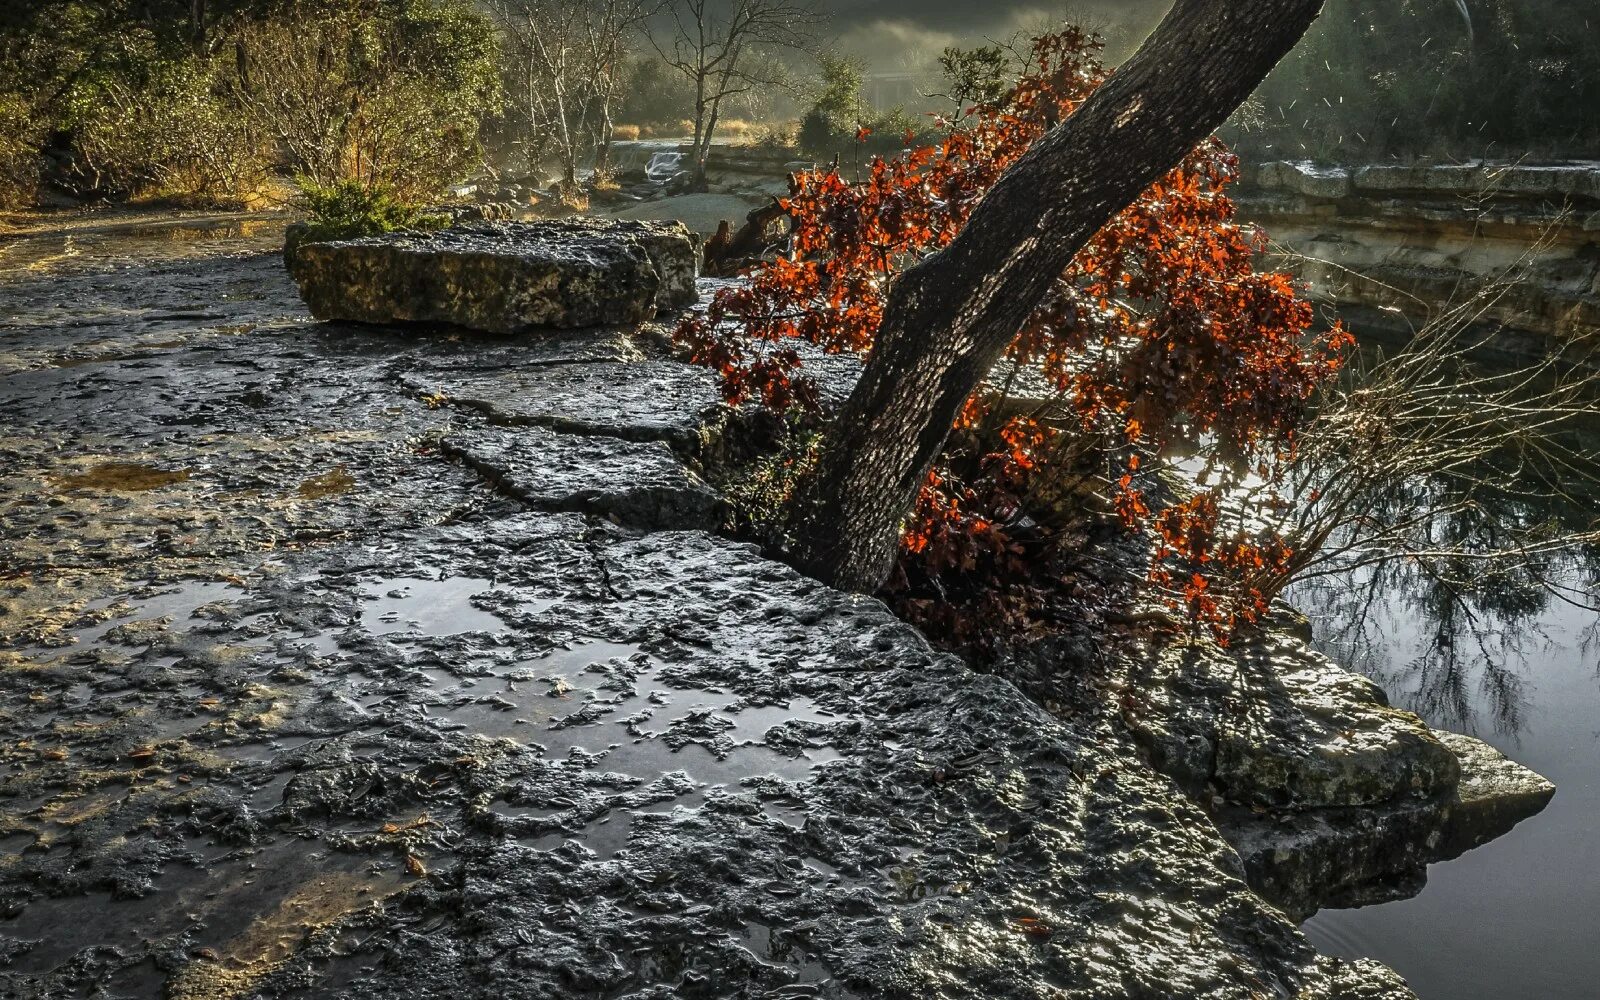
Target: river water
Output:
{"points": [[1519, 917]]}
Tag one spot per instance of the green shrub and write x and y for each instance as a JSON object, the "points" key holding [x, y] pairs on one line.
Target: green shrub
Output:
{"points": [[21, 135], [391, 93], [160, 128], [388, 92], [350, 209]]}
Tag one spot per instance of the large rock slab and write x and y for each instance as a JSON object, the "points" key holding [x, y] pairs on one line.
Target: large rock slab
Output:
{"points": [[655, 400], [1271, 723], [1331, 796], [1360, 856], [639, 483], [503, 277], [557, 758]]}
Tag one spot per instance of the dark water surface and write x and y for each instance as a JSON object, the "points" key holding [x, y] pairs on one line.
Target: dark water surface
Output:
{"points": [[1520, 917]]}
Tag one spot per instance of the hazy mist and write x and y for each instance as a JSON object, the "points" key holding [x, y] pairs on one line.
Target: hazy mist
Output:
{"points": [[889, 33]]}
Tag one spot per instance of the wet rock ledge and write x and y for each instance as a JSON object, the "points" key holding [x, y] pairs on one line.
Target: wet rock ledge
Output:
{"points": [[406, 666], [1383, 242], [503, 277]]}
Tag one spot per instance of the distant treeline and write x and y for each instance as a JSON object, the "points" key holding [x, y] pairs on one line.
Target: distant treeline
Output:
{"points": [[220, 100], [1380, 79]]}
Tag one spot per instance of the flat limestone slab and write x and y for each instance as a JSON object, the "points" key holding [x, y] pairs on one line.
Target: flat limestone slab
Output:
{"points": [[504, 277], [653, 400], [637, 483], [587, 763]]}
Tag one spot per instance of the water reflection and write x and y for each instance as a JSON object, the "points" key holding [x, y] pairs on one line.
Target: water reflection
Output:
{"points": [[123, 238], [1448, 562], [1452, 637], [1508, 647]]}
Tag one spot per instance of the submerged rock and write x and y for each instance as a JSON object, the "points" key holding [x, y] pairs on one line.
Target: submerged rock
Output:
{"points": [[503, 277]]}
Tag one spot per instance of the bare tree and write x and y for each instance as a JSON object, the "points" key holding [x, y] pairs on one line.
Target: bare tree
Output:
{"points": [[725, 48], [950, 316], [1443, 510], [607, 31], [565, 65]]}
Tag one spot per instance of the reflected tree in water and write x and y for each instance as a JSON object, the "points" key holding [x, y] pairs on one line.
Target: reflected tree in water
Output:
{"points": [[1444, 519]]}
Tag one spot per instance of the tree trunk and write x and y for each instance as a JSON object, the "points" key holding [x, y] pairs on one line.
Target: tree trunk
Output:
{"points": [[702, 153], [197, 27], [950, 317], [602, 152]]}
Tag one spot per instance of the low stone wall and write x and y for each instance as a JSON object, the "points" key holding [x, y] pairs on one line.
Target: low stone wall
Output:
{"points": [[1388, 246]]}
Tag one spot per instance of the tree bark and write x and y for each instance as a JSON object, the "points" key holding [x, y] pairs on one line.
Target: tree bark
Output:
{"points": [[197, 27], [950, 317]]}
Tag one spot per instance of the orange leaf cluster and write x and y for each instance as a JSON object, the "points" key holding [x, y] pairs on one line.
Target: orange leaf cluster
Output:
{"points": [[1161, 327]]}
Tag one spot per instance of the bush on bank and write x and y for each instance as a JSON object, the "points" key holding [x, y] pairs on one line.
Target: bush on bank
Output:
{"points": [[124, 99]]}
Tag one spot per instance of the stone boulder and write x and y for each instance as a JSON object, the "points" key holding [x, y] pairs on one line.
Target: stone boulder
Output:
{"points": [[503, 277], [1331, 796], [1358, 856]]}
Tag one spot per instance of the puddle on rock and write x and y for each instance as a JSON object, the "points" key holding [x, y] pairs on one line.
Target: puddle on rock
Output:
{"points": [[244, 907], [121, 477], [776, 949], [427, 607], [334, 482], [179, 603], [645, 750]]}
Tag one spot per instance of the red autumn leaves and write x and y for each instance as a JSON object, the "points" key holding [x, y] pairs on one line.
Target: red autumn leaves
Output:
{"points": [[1161, 330]]}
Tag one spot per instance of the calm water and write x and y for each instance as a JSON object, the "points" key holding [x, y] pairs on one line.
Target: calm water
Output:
{"points": [[1519, 917]]}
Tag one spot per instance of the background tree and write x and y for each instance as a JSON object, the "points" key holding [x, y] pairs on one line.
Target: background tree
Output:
{"points": [[565, 66], [972, 76], [655, 95], [610, 28], [1497, 78], [389, 94], [838, 107], [205, 101], [727, 48]]}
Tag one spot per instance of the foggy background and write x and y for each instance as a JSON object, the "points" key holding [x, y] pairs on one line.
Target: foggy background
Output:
{"points": [[891, 33]]}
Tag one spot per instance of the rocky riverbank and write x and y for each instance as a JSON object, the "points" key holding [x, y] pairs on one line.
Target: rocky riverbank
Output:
{"points": [[347, 661], [1389, 246]]}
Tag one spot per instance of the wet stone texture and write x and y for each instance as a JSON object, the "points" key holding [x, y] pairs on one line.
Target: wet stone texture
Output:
{"points": [[1331, 796], [503, 277], [338, 662], [640, 483]]}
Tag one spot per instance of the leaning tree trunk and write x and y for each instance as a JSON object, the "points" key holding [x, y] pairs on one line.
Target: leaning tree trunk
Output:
{"points": [[950, 317]]}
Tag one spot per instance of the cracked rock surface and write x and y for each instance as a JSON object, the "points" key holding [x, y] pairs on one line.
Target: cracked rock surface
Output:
{"points": [[638, 483], [341, 662]]}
